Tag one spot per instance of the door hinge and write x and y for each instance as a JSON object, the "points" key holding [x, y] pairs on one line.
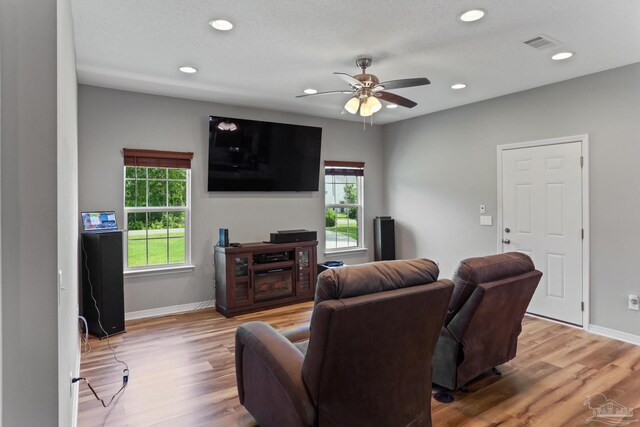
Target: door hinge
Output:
{"points": [[581, 161], [582, 234], [582, 306]]}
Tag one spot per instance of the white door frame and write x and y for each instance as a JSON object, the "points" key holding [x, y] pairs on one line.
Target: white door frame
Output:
{"points": [[1, 350], [584, 143]]}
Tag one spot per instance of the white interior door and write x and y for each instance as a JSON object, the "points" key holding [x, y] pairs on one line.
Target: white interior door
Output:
{"points": [[542, 217]]}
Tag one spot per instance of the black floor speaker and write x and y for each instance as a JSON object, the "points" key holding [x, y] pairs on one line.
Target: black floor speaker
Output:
{"points": [[101, 263], [384, 238]]}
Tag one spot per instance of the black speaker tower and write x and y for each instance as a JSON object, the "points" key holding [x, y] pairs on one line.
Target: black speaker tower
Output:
{"points": [[101, 262], [384, 238]]}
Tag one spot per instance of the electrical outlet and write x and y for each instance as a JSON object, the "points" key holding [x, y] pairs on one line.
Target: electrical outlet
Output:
{"points": [[634, 303]]}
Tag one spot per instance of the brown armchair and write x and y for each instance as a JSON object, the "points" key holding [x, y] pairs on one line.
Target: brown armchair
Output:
{"points": [[372, 328], [484, 319]]}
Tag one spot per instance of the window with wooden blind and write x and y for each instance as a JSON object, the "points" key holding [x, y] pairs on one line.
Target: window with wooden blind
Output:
{"points": [[157, 208], [344, 207]]}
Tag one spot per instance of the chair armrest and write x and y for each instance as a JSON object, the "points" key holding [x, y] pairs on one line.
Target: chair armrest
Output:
{"points": [[274, 368], [299, 334]]}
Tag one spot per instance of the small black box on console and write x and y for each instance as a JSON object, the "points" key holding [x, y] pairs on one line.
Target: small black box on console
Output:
{"points": [[290, 236]]}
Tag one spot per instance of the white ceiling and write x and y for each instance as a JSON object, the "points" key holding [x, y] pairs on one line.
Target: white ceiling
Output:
{"points": [[278, 48]]}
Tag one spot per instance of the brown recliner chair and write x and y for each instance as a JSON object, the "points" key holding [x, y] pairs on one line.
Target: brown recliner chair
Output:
{"points": [[372, 328], [484, 318]]}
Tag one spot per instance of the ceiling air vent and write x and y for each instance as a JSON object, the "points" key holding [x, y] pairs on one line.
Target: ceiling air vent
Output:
{"points": [[541, 41]]}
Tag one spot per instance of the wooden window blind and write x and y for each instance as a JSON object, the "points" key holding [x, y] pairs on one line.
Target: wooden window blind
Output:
{"points": [[157, 158], [336, 167]]}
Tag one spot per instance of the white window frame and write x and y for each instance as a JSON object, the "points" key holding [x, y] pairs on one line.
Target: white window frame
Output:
{"points": [[158, 268], [360, 219]]}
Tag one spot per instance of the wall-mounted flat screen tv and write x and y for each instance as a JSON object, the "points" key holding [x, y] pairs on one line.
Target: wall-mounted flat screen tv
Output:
{"points": [[249, 155]]}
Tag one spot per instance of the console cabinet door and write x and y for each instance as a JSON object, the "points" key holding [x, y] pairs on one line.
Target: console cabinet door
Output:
{"points": [[306, 267], [241, 284]]}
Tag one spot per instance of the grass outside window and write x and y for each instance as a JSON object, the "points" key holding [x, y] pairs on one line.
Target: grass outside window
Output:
{"points": [[161, 249]]}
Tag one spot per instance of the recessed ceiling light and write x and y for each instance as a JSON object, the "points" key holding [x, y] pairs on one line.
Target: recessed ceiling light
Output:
{"points": [[221, 24], [392, 105], [473, 15], [188, 70], [458, 86], [310, 91], [562, 55]]}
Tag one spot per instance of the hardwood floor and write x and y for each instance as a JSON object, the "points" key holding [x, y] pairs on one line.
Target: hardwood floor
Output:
{"points": [[182, 374]]}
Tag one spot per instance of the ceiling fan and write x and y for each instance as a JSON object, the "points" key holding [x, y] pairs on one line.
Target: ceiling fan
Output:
{"points": [[367, 90]]}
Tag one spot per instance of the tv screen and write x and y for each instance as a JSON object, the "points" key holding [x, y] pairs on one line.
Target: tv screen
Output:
{"points": [[249, 155]]}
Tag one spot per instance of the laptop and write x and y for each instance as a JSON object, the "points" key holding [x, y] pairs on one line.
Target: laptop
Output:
{"points": [[99, 222]]}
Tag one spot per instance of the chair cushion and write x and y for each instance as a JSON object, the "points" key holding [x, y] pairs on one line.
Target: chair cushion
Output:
{"points": [[363, 279], [473, 271]]}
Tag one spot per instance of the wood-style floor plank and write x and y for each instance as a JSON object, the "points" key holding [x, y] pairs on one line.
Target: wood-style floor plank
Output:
{"points": [[182, 373]]}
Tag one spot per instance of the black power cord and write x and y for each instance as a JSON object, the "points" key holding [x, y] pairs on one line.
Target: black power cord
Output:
{"points": [[125, 371], [125, 381]]}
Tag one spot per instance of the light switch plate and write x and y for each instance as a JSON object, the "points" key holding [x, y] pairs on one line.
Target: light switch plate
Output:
{"points": [[634, 302], [486, 220]]}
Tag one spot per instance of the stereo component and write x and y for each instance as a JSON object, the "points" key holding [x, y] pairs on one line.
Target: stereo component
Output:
{"points": [[267, 257], [290, 236]]}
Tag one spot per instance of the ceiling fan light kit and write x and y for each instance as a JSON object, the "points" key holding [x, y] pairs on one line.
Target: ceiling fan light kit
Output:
{"points": [[369, 106], [365, 110], [366, 90], [352, 105]]}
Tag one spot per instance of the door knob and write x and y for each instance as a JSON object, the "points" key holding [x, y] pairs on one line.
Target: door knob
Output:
{"points": [[506, 241], [507, 230]]}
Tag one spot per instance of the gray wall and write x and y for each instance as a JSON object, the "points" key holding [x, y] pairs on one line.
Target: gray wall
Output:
{"points": [[68, 343], [110, 120], [442, 166], [29, 197]]}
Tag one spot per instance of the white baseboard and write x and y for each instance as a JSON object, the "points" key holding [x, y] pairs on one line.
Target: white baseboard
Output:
{"points": [[76, 391], [172, 309], [612, 333]]}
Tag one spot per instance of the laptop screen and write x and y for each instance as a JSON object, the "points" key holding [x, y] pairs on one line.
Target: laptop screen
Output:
{"points": [[99, 221]]}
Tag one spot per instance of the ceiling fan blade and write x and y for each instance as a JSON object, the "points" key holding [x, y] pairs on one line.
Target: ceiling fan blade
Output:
{"points": [[350, 80], [397, 84], [331, 92], [396, 99]]}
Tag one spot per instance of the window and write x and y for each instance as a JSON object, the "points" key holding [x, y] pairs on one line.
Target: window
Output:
{"points": [[157, 208], [343, 190]]}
